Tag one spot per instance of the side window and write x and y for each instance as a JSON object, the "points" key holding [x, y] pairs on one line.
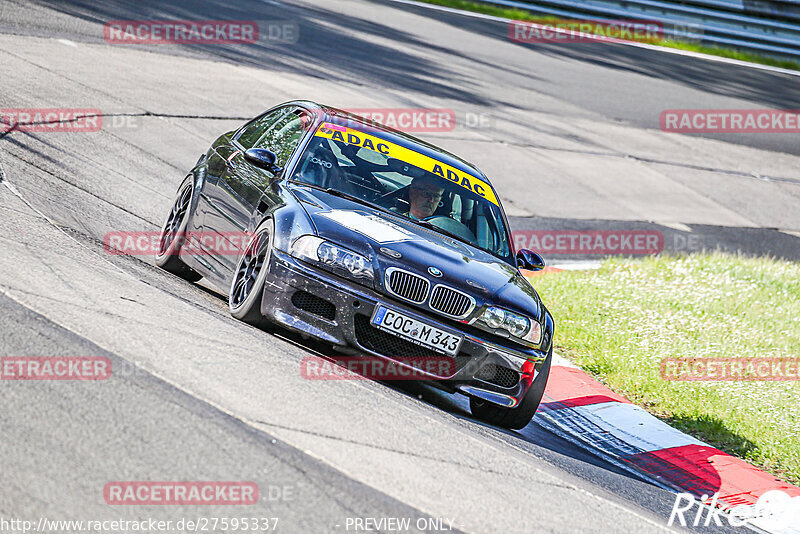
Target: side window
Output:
{"points": [[283, 136], [252, 132]]}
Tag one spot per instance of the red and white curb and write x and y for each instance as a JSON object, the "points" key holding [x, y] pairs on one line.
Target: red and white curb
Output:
{"points": [[584, 411]]}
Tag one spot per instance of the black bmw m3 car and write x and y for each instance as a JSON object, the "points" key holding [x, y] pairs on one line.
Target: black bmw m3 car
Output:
{"points": [[373, 242]]}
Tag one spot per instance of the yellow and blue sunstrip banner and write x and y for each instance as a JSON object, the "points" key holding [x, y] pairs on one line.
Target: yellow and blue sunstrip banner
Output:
{"points": [[376, 144]]}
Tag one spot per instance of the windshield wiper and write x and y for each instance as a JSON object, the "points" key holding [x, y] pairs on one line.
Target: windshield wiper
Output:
{"points": [[347, 196], [425, 224], [438, 229], [457, 237]]}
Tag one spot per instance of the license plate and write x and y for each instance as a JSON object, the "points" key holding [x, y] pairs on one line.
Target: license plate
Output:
{"points": [[415, 331]]}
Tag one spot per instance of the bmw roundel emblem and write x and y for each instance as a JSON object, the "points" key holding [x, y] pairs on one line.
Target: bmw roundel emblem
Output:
{"points": [[435, 272]]}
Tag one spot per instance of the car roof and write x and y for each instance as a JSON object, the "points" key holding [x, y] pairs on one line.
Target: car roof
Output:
{"points": [[342, 117]]}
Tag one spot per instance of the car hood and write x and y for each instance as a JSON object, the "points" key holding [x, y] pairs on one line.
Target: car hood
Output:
{"points": [[391, 241]]}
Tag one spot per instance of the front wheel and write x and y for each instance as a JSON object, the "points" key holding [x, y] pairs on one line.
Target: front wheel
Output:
{"points": [[247, 286], [514, 418], [173, 234]]}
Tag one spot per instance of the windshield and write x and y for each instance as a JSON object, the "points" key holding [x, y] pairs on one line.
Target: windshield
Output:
{"points": [[405, 182]]}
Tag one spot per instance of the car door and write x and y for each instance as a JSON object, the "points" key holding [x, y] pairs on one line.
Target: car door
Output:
{"points": [[243, 188]]}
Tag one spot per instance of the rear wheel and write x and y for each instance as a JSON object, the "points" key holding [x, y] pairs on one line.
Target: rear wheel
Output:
{"points": [[518, 417], [173, 234], [247, 287]]}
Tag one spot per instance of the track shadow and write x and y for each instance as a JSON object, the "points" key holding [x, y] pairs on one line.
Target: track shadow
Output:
{"points": [[333, 46], [770, 88], [353, 48], [613, 92], [328, 45]]}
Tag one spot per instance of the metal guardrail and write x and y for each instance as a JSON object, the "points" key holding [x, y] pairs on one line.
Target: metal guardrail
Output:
{"points": [[780, 9], [768, 27]]}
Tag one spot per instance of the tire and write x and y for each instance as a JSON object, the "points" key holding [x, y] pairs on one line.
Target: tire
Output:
{"points": [[173, 234], [519, 417], [247, 286]]}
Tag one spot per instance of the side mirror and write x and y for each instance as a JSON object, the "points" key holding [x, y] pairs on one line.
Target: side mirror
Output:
{"points": [[263, 159], [530, 260]]}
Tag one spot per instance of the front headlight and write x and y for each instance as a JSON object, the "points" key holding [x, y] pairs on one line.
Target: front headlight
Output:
{"points": [[515, 324], [316, 249]]}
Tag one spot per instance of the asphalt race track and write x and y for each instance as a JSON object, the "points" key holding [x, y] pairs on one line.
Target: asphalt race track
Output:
{"points": [[569, 136]]}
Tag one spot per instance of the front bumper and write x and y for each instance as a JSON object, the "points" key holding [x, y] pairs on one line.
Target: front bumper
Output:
{"points": [[481, 368]]}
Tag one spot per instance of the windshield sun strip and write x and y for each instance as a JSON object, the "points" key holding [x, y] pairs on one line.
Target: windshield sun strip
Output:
{"points": [[361, 139]]}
